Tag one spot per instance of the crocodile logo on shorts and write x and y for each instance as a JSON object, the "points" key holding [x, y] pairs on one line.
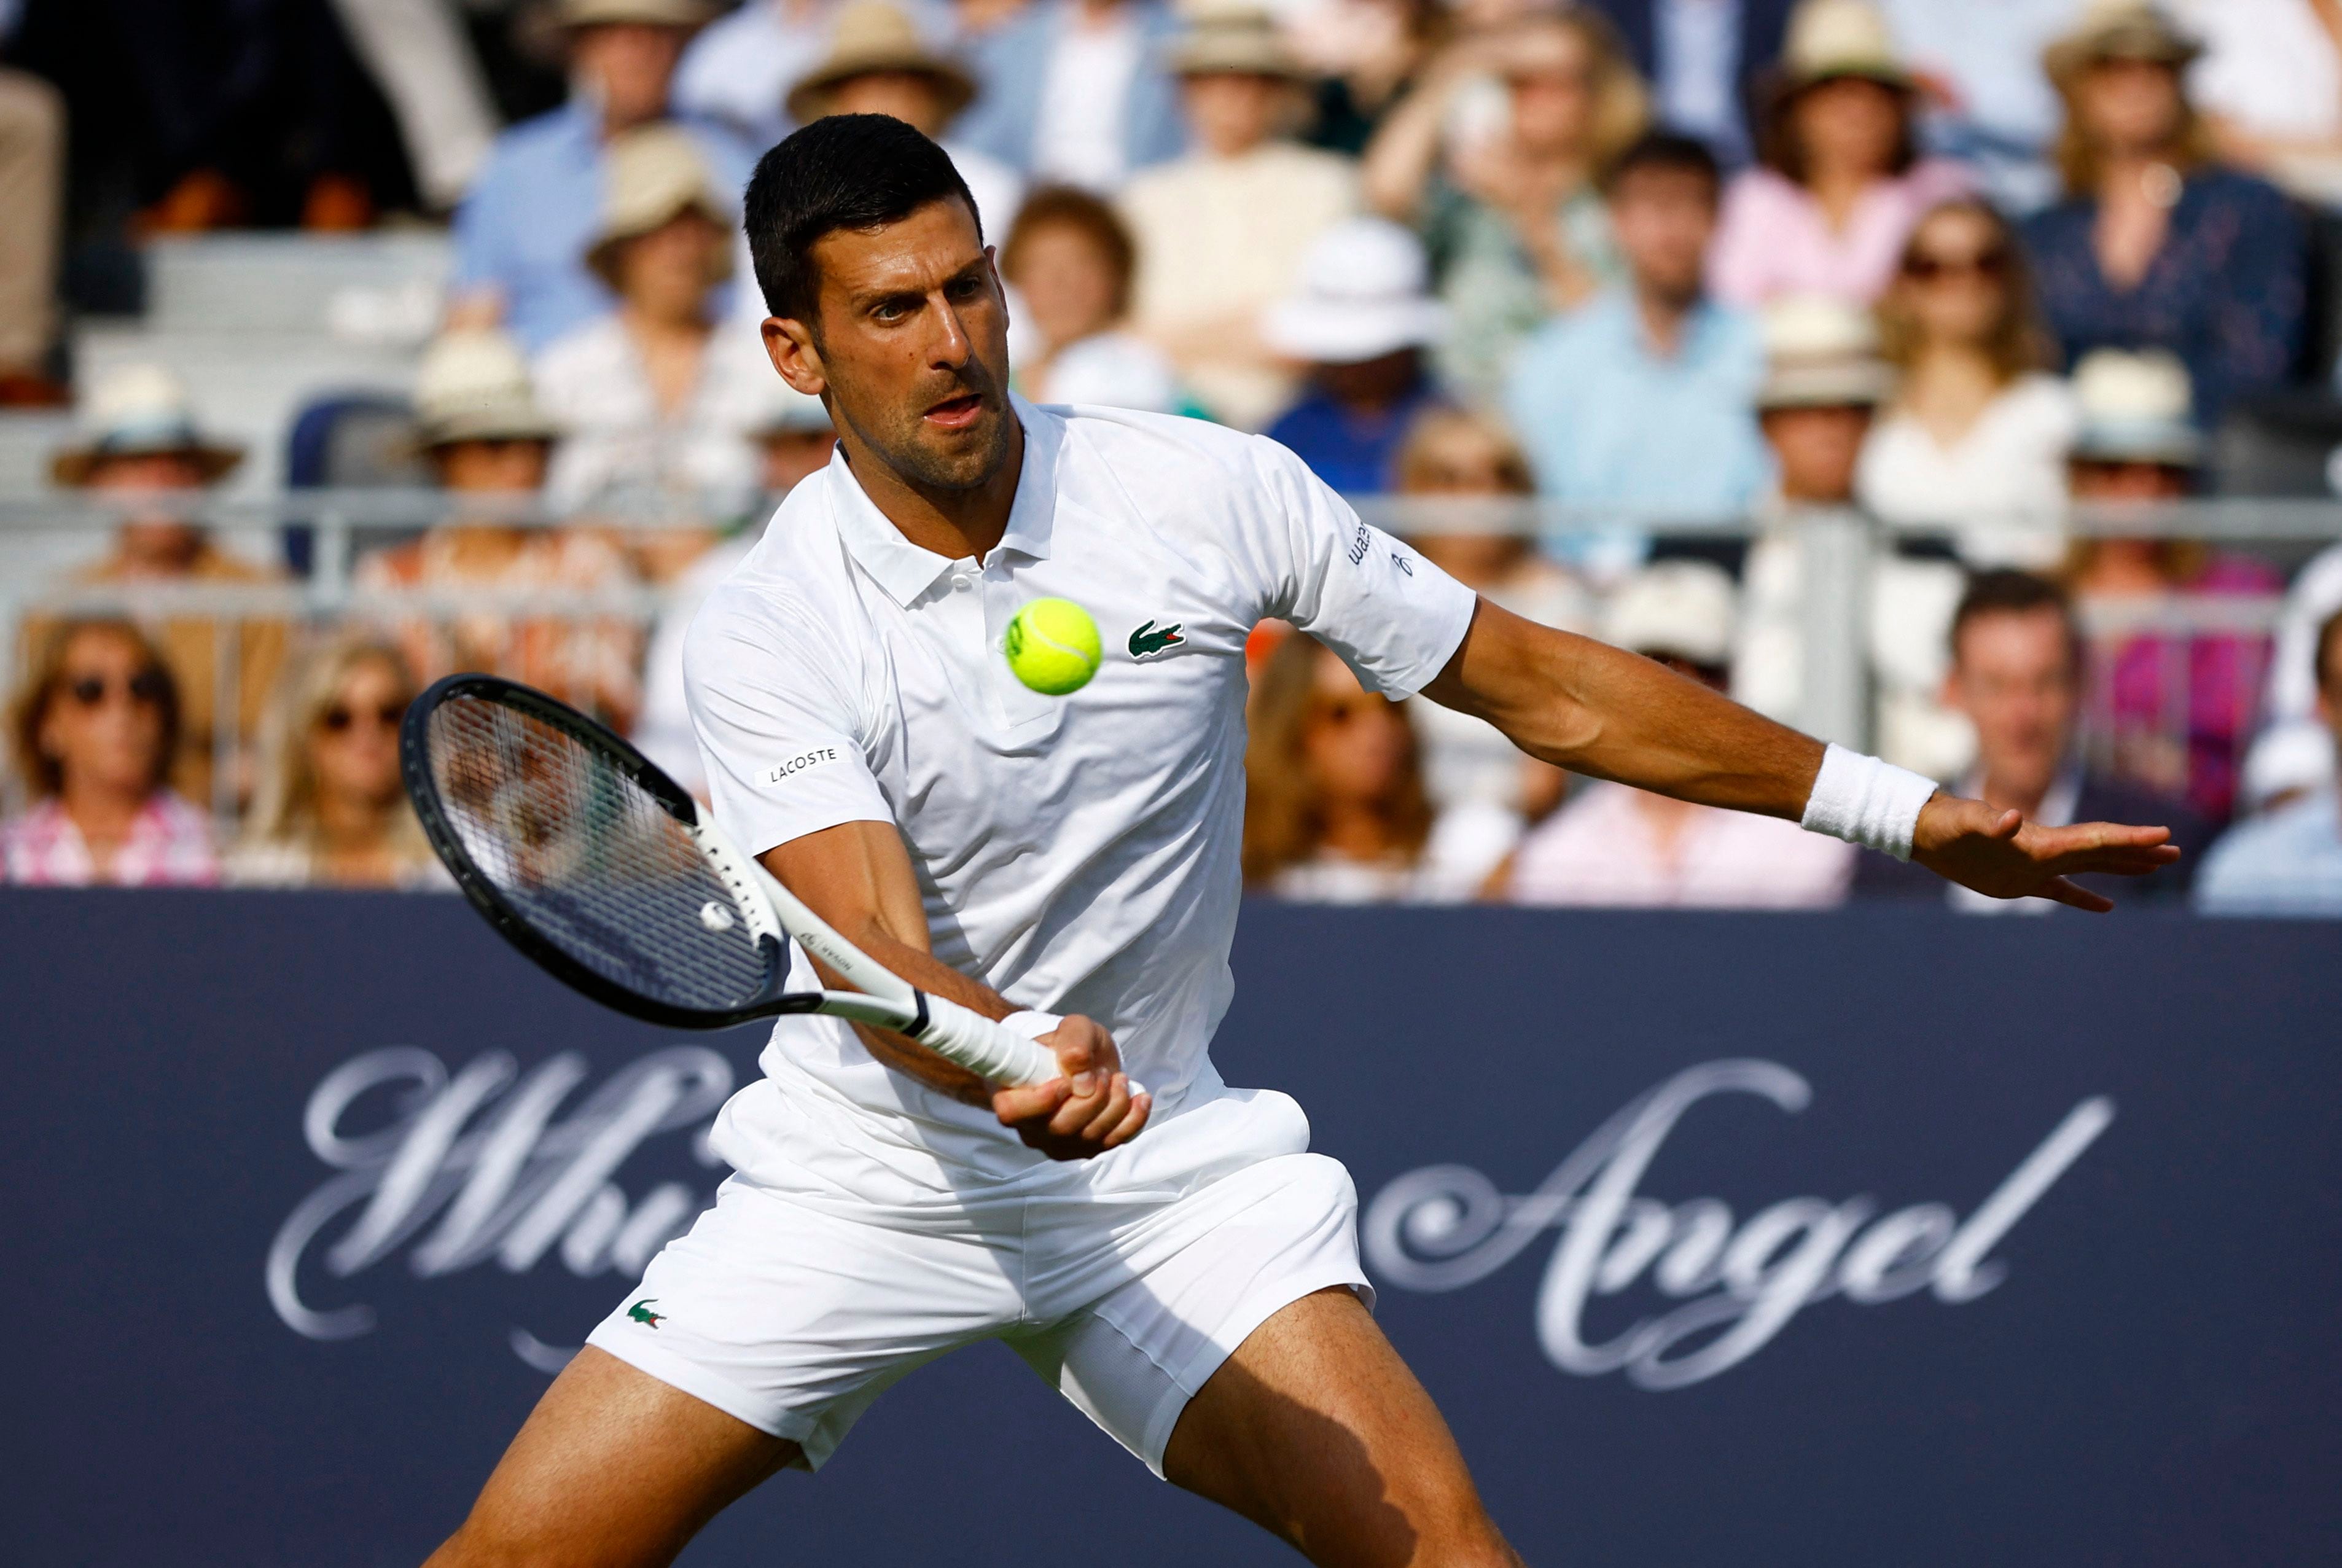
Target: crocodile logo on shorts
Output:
{"points": [[1147, 641], [641, 1312]]}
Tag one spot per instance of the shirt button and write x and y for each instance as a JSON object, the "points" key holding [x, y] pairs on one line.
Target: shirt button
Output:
{"points": [[961, 584]]}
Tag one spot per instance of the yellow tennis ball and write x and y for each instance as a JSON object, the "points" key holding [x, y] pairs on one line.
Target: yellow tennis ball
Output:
{"points": [[1053, 646]]}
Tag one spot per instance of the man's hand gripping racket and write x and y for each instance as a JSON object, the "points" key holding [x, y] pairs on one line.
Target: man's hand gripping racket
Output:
{"points": [[604, 871]]}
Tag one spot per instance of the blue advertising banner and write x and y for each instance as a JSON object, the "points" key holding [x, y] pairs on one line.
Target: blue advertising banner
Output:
{"points": [[1849, 1238]]}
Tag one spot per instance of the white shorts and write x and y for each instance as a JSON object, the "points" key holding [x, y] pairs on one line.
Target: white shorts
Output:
{"points": [[795, 1316]]}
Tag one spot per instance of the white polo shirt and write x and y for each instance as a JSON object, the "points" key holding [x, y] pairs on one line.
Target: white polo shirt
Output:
{"points": [[1078, 853]]}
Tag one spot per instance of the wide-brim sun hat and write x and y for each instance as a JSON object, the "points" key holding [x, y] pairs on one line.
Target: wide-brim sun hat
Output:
{"points": [[473, 386], [141, 411], [1821, 352], [1234, 42], [2113, 30], [1829, 40], [870, 37], [687, 13], [650, 176], [1363, 294], [1673, 609], [2136, 407]]}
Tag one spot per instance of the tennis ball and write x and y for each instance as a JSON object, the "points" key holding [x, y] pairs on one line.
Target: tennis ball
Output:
{"points": [[1053, 646]]}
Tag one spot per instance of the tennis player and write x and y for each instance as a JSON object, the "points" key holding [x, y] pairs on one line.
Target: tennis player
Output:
{"points": [[1175, 1261]]}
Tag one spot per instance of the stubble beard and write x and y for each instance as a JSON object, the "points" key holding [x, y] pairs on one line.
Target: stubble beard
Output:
{"points": [[907, 445]]}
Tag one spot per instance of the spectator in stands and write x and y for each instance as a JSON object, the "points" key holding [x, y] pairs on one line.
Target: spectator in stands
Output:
{"points": [[1070, 259], [1976, 431], [1461, 458], [1984, 98], [2289, 862], [1335, 807], [1615, 846], [1074, 91], [93, 729], [878, 65], [2156, 244], [1822, 388], [2295, 754], [144, 453], [2177, 706], [738, 70], [794, 439], [2271, 84], [521, 232], [2016, 675], [1367, 56], [1515, 223], [489, 446], [32, 207], [1361, 321], [1641, 397], [331, 811], [1706, 60], [1842, 181], [650, 397], [1223, 230]]}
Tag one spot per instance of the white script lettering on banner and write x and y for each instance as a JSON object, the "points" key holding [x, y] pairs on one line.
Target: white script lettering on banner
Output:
{"points": [[473, 1167], [1443, 1227]]}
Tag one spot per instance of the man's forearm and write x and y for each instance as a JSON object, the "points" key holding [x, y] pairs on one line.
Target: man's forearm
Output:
{"points": [[1595, 710]]}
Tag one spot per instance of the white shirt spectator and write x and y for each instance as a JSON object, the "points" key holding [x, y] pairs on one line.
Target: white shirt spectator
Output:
{"points": [[1604, 848], [2004, 481], [1465, 847], [1113, 370], [1079, 137], [2269, 66], [592, 382]]}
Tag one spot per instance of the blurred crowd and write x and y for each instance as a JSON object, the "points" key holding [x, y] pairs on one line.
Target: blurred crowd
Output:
{"points": [[1656, 263]]}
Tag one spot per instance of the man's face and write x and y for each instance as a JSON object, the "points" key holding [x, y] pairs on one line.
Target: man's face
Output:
{"points": [[910, 345], [2012, 674], [626, 66], [1817, 449], [1232, 112], [1664, 219]]}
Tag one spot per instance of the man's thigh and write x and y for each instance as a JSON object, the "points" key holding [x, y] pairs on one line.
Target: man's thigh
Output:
{"points": [[614, 1469], [1315, 1429]]}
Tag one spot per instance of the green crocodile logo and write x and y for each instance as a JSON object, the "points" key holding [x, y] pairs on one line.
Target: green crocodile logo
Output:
{"points": [[1147, 641], [641, 1312]]}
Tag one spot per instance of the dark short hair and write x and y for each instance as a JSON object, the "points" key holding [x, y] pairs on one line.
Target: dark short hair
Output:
{"points": [[2329, 656], [1070, 206], [841, 171], [1665, 151], [2004, 591]]}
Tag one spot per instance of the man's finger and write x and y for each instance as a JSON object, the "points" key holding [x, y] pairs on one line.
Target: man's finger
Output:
{"points": [[2120, 861], [1030, 1102], [1117, 1106], [2100, 835], [1079, 1111], [1141, 1107], [2074, 896]]}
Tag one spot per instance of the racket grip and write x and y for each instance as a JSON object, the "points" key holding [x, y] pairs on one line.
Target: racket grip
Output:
{"points": [[968, 1038]]}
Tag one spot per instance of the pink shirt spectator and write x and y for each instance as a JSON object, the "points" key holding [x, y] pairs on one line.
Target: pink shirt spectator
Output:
{"points": [[170, 844], [1773, 238], [1601, 849]]}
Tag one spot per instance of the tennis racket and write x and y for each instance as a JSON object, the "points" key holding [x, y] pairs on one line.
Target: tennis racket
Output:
{"points": [[605, 872]]}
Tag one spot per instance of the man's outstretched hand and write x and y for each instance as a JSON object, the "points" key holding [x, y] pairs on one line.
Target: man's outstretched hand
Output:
{"points": [[2002, 855]]}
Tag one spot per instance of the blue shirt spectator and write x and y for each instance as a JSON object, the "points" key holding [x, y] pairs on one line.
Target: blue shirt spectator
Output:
{"points": [[2289, 860], [1353, 448], [1076, 92], [1705, 59], [1642, 397]]}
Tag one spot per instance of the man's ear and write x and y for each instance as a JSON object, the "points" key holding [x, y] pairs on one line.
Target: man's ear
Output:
{"points": [[789, 344]]}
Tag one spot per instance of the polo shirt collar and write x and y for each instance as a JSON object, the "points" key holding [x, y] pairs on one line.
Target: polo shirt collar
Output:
{"points": [[904, 570]]}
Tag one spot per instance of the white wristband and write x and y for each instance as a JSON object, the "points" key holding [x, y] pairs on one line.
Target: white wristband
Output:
{"points": [[1864, 801], [1030, 1024]]}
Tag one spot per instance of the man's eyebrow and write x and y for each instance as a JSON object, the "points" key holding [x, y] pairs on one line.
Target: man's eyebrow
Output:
{"points": [[881, 293]]}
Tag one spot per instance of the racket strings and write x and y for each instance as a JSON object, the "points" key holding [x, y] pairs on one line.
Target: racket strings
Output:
{"points": [[589, 858]]}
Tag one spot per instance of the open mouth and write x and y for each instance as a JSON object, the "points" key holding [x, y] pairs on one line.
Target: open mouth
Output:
{"points": [[957, 413]]}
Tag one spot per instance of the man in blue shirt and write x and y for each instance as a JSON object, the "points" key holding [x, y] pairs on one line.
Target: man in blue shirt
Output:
{"points": [[1642, 397], [521, 232], [2289, 860]]}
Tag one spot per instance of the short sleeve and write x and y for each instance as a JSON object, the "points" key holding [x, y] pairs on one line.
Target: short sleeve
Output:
{"points": [[779, 725], [1394, 617]]}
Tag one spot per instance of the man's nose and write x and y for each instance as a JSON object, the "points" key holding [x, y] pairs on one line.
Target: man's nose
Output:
{"points": [[950, 347]]}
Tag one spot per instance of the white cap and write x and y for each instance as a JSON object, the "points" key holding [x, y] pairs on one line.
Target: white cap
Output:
{"points": [[1365, 292], [1821, 352], [2136, 408], [1679, 609]]}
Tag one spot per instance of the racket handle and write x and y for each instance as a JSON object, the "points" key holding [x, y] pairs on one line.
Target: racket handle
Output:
{"points": [[966, 1037]]}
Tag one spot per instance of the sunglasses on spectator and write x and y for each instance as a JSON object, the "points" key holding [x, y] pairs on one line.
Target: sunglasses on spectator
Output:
{"points": [[1339, 711], [341, 718], [1992, 265], [144, 688]]}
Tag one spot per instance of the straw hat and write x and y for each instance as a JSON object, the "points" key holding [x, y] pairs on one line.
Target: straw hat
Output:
{"points": [[141, 411], [1678, 609], [473, 386], [1821, 352], [1365, 292], [1829, 39], [2119, 30], [651, 175], [1232, 41], [874, 36], [2136, 408], [575, 13]]}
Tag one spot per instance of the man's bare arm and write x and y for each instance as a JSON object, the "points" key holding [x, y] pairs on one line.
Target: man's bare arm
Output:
{"points": [[857, 876], [1596, 710]]}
